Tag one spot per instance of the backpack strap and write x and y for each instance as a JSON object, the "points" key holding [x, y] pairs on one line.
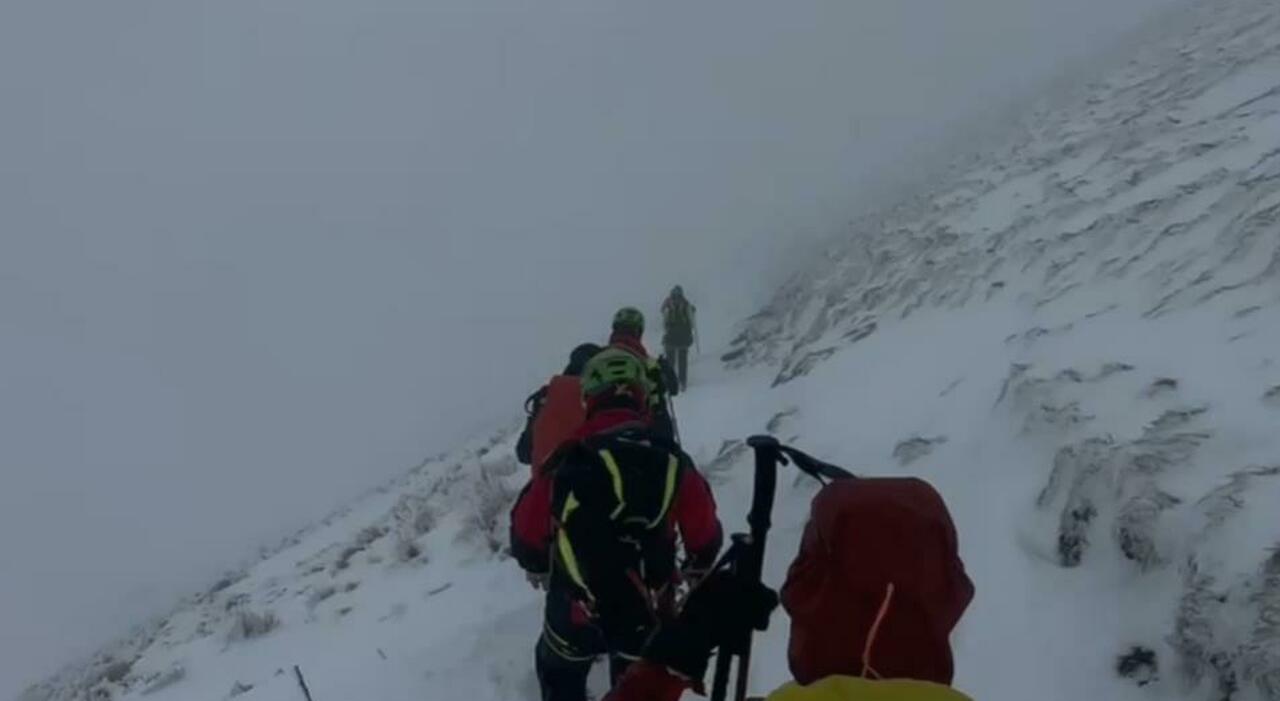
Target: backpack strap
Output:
{"points": [[565, 547], [669, 491], [671, 481], [615, 476]]}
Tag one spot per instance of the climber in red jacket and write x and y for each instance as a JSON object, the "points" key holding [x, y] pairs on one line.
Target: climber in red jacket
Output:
{"points": [[598, 526]]}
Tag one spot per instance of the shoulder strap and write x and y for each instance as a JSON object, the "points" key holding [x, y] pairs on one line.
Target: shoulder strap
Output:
{"points": [[560, 454], [534, 401]]}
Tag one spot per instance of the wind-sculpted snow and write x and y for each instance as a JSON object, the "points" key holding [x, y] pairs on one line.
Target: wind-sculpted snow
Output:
{"points": [[1149, 207], [1075, 339], [1158, 192]]}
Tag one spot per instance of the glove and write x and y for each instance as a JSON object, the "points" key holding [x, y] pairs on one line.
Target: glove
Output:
{"points": [[720, 608]]}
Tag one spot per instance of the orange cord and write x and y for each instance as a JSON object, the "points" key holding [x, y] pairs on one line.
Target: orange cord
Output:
{"points": [[875, 629]]}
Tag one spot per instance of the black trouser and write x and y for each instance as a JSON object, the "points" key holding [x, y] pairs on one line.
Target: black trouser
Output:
{"points": [[569, 645], [561, 679], [678, 356]]}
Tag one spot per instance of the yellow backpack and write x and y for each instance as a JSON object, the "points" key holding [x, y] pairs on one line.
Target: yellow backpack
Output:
{"points": [[859, 689]]}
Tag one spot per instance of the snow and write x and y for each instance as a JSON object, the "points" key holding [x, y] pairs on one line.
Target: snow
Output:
{"points": [[1249, 83], [1077, 167], [999, 209], [1090, 338]]}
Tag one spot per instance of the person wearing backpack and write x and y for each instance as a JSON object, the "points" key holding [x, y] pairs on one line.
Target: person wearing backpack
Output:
{"points": [[555, 411], [678, 332], [873, 595], [598, 528], [661, 380]]}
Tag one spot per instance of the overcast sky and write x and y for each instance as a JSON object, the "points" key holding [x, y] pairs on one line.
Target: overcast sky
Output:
{"points": [[258, 255]]}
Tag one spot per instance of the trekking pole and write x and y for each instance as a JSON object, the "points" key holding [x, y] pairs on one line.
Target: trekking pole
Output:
{"points": [[746, 555], [671, 412], [749, 562], [693, 319]]}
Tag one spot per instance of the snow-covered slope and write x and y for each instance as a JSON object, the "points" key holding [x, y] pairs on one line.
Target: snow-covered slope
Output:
{"points": [[1075, 339]]}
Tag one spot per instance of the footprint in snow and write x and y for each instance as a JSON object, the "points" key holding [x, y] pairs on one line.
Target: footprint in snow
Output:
{"points": [[914, 448], [1161, 386]]}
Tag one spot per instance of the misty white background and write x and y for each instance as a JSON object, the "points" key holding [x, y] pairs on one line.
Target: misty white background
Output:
{"points": [[256, 256]]}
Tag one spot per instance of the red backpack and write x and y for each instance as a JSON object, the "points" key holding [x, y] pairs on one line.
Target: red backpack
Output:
{"points": [[878, 584], [562, 413]]}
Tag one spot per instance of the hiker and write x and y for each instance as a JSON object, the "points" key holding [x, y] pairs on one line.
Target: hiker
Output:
{"points": [[873, 595], [597, 527], [628, 334], [678, 332], [555, 411]]}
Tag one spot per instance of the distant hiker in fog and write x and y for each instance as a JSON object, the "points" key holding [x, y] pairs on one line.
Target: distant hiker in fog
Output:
{"points": [[678, 333]]}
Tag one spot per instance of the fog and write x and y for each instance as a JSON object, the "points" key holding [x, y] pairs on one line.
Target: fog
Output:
{"points": [[257, 256]]}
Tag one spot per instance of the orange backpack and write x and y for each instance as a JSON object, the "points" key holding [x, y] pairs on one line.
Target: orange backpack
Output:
{"points": [[561, 415]]}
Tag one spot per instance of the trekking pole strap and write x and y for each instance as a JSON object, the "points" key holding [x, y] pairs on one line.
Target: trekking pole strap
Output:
{"points": [[760, 518], [803, 461]]}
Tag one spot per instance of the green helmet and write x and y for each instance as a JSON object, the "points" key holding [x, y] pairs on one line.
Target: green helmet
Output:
{"points": [[629, 319], [611, 368]]}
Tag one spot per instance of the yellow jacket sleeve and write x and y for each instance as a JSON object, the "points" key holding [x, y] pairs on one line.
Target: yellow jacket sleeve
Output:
{"points": [[858, 689]]}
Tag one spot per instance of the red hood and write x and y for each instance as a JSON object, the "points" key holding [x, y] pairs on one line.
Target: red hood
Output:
{"points": [[628, 342], [879, 560]]}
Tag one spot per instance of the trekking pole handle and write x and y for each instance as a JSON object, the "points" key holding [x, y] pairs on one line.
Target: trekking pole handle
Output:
{"points": [[760, 518]]}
